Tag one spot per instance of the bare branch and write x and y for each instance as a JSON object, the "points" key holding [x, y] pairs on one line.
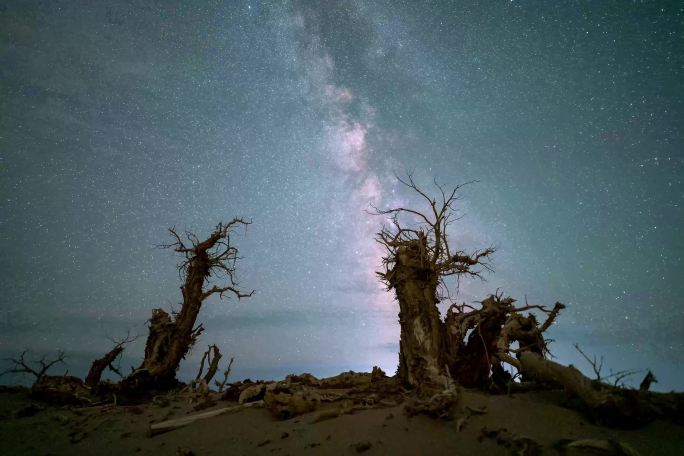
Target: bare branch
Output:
{"points": [[226, 373], [212, 356], [596, 365], [621, 375], [221, 290], [21, 366], [431, 237], [552, 316]]}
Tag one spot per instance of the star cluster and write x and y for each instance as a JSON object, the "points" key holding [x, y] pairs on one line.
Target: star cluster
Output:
{"points": [[121, 119]]}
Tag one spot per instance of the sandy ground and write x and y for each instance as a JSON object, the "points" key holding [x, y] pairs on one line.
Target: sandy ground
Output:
{"points": [[123, 430]]}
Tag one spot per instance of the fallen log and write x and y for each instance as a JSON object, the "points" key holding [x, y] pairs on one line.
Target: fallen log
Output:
{"points": [[607, 404], [170, 425]]}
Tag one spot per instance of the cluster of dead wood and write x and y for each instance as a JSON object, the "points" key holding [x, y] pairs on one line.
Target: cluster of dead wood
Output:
{"points": [[171, 336], [493, 345], [297, 395], [475, 344], [208, 268]]}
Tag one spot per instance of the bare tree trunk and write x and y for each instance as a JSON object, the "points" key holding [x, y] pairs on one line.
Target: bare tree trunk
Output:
{"points": [[170, 339], [420, 362], [99, 365], [417, 261]]}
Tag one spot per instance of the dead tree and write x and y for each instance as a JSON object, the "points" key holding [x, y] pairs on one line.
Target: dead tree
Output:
{"points": [[56, 389], [171, 336], [40, 368], [418, 259], [608, 404], [472, 344], [222, 384], [617, 377]]}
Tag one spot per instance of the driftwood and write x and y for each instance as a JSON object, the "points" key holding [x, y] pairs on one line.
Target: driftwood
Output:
{"points": [[64, 389], [517, 444], [165, 426], [328, 397]]}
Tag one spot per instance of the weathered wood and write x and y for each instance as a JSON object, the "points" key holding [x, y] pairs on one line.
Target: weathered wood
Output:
{"points": [[419, 258], [609, 405], [170, 337], [170, 425], [212, 356], [569, 377], [420, 343], [99, 365]]}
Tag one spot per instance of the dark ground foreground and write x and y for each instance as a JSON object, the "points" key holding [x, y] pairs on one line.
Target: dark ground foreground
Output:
{"points": [[31, 428]]}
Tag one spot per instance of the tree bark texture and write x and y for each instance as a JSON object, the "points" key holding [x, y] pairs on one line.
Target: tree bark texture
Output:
{"points": [[171, 336], [420, 352], [99, 365]]}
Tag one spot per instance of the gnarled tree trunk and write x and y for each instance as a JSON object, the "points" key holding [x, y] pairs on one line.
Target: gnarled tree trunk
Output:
{"points": [[170, 337], [474, 364], [420, 346], [417, 261], [169, 340]]}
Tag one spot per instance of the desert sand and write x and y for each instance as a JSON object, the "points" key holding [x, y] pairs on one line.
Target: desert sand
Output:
{"points": [[28, 427]]}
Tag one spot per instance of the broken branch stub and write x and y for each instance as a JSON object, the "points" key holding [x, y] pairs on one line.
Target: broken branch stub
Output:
{"points": [[107, 361]]}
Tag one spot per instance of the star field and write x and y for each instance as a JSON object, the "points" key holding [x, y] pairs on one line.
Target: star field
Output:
{"points": [[121, 119]]}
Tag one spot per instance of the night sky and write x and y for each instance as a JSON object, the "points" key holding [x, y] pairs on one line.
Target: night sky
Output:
{"points": [[121, 119]]}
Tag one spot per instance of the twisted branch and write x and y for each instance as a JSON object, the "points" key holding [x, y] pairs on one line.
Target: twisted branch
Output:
{"points": [[21, 366]]}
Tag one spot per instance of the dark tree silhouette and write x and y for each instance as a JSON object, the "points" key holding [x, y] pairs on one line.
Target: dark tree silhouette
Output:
{"points": [[471, 344], [38, 370], [107, 361], [171, 336], [418, 260]]}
